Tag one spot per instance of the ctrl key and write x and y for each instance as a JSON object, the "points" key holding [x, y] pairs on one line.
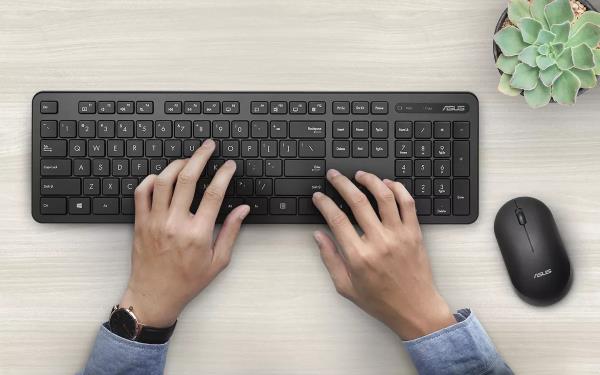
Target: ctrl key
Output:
{"points": [[53, 206]]}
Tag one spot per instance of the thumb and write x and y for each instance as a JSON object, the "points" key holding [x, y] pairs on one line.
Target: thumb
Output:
{"points": [[227, 236], [335, 265]]}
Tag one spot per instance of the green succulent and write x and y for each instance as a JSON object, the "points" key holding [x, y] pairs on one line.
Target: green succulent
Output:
{"points": [[549, 54]]}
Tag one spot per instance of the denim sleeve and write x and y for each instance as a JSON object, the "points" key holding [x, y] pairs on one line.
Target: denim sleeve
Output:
{"points": [[115, 355], [463, 348]]}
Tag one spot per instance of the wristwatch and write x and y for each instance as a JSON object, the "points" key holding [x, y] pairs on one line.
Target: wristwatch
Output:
{"points": [[124, 323]]}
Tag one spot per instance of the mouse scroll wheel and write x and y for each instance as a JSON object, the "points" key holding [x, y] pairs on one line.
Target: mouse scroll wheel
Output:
{"points": [[521, 216]]}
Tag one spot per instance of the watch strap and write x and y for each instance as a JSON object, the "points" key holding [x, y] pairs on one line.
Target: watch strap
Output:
{"points": [[152, 335]]}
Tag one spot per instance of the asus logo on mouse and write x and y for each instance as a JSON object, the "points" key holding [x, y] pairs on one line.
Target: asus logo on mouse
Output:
{"points": [[455, 108], [542, 274]]}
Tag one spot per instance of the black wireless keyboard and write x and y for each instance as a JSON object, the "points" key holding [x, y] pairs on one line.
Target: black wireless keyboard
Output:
{"points": [[91, 149]]}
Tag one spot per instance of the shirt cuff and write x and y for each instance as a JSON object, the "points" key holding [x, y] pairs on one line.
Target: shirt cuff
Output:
{"points": [[113, 354], [462, 348]]}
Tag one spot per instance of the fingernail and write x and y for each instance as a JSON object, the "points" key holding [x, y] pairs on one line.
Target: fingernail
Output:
{"points": [[208, 143], [317, 195], [332, 173], [358, 174], [231, 163], [317, 237], [244, 211], [386, 181]]}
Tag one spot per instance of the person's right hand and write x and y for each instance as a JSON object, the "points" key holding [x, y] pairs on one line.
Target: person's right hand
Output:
{"points": [[385, 271]]}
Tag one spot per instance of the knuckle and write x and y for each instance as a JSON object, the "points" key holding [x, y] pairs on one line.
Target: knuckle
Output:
{"points": [[213, 194], [338, 219], [163, 181], [358, 199], [186, 178], [408, 201], [386, 195]]}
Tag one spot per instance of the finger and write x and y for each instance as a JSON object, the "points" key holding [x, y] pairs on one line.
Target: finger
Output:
{"points": [[213, 195], [143, 196], [335, 265], [188, 177], [408, 212], [386, 202], [357, 200], [163, 186], [338, 222], [226, 238]]}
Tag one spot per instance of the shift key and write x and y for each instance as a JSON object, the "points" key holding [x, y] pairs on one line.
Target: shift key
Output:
{"points": [[60, 186]]}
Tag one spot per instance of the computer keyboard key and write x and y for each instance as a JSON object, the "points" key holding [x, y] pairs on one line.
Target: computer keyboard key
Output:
{"points": [[144, 107], [87, 128], [163, 129], [48, 107], [231, 108], [53, 148], [96, 148], [422, 186], [407, 182], [422, 168], [259, 108], [441, 168], [422, 129], [55, 167], [360, 149], [127, 206], [100, 167], [53, 206], [441, 129], [106, 129], [273, 168], [229, 204], [287, 149], [213, 166], [172, 148], [379, 129], [120, 167], [441, 206], [360, 129], [212, 108], [259, 129], [316, 108], [243, 186], [304, 168], [268, 149], [441, 149], [143, 129], [48, 129], [106, 108], [91, 186], [379, 108], [297, 108], [79, 206], [403, 129], [128, 186], [77, 147], [240, 129], [360, 108], [183, 128], [460, 158], [250, 149], [157, 166], [81, 167], [278, 108], [153, 147], [139, 167], [311, 149], [264, 187], [306, 207], [307, 129], [105, 206], [258, 206], [404, 149], [230, 149], [423, 206], [379, 149], [60, 186], [110, 186], [125, 129], [125, 108], [422, 149], [340, 149], [441, 187], [220, 129], [67, 129], [282, 206], [87, 108], [254, 168], [341, 129], [201, 129], [403, 168], [460, 197], [299, 186], [461, 129], [173, 108], [192, 108]]}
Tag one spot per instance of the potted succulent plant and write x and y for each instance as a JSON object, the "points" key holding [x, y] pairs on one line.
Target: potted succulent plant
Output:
{"points": [[548, 50]]}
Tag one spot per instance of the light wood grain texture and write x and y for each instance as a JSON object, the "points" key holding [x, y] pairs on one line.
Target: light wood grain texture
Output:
{"points": [[274, 310]]}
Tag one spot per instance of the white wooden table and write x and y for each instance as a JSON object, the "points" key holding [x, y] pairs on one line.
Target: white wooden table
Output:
{"points": [[274, 311]]}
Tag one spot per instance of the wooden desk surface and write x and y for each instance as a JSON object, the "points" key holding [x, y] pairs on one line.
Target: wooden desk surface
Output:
{"points": [[274, 311]]}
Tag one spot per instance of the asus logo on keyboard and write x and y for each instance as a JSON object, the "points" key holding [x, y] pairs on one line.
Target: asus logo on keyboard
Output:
{"points": [[455, 108], [542, 274]]}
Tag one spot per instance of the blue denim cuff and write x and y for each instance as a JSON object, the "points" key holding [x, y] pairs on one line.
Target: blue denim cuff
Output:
{"points": [[462, 348], [113, 354]]}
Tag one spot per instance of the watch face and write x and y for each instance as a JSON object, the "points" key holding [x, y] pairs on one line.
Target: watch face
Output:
{"points": [[123, 324]]}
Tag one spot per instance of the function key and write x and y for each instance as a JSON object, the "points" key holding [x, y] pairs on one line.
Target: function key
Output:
{"points": [[379, 108], [107, 108], [278, 108], [341, 108], [144, 108], [259, 108], [461, 129], [49, 107], [212, 108], [172, 108], [298, 108], [87, 107], [360, 108], [232, 108], [192, 108], [316, 108], [125, 108]]}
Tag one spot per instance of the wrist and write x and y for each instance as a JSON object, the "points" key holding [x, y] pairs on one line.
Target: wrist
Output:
{"points": [[432, 317], [149, 310]]}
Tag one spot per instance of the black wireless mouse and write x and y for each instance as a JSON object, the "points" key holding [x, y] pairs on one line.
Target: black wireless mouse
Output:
{"points": [[533, 252]]}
